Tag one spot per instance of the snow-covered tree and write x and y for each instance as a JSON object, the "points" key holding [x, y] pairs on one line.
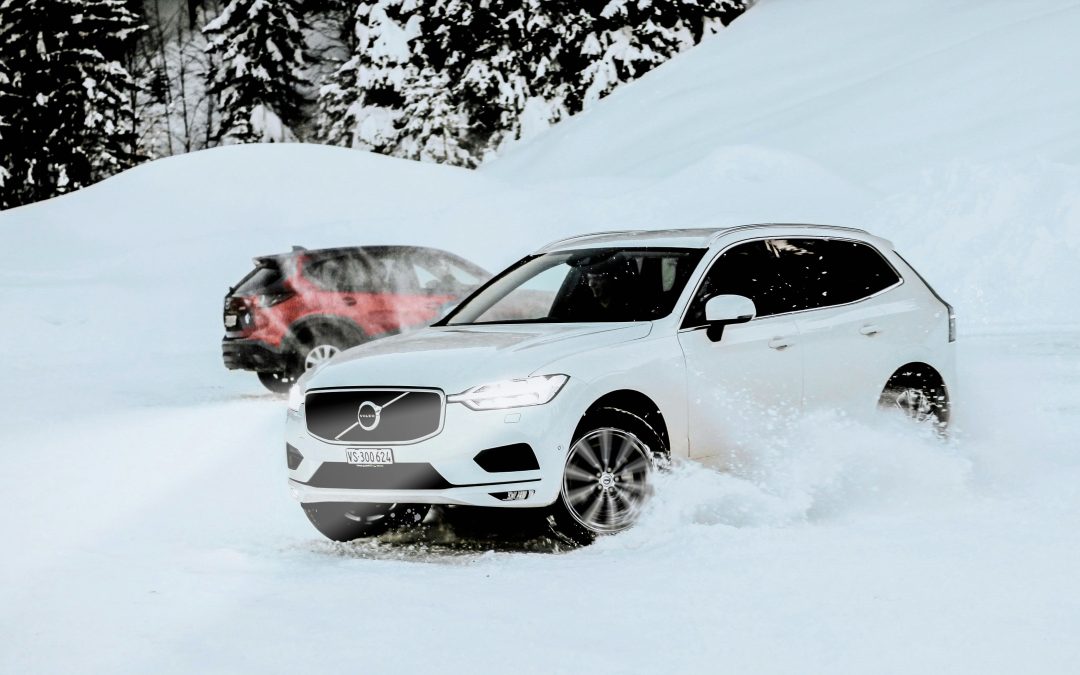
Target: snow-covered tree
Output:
{"points": [[481, 48], [259, 75], [65, 102], [628, 38], [363, 103], [509, 68], [432, 123], [177, 113]]}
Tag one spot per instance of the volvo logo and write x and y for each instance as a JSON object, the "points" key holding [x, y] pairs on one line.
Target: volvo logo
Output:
{"points": [[369, 414]]}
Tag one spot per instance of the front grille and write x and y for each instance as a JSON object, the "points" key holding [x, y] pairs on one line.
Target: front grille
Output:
{"points": [[373, 416]]}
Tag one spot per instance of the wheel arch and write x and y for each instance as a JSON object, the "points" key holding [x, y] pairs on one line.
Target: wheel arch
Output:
{"points": [[916, 371], [920, 373], [308, 325], [632, 402]]}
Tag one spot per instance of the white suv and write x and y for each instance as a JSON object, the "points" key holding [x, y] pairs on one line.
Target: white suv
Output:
{"points": [[563, 380]]}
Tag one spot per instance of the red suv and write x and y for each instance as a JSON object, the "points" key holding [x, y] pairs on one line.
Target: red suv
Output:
{"points": [[296, 310]]}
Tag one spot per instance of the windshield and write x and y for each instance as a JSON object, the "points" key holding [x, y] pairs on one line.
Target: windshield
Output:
{"points": [[588, 285]]}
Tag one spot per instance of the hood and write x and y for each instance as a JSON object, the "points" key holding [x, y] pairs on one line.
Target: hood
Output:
{"points": [[454, 358]]}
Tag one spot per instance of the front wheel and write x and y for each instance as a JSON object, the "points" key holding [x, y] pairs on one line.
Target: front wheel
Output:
{"points": [[607, 477], [344, 521]]}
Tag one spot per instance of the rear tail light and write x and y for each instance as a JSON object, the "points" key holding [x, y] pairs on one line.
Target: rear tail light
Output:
{"points": [[952, 322]]}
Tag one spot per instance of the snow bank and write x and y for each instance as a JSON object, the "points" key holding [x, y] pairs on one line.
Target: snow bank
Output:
{"points": [[1000, 240]]}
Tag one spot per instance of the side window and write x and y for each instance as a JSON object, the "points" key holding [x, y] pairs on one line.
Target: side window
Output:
{"points": [[345, 274], [788, 275], [438, 274], [399, 275], [836, 271], [754, 270]]}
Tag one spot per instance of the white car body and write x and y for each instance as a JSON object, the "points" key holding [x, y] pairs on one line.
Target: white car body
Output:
{"points": [[839, 357]]}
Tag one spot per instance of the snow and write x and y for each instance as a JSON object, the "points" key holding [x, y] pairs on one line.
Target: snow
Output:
{"points": [[146, 523]]}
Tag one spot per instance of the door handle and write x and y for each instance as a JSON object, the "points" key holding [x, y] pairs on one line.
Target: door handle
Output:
{"points": [[349, 301], [869, 330], [779, 343]]}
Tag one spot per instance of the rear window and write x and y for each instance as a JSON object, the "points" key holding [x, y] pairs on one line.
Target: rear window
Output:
{"points": [[266, 276]]}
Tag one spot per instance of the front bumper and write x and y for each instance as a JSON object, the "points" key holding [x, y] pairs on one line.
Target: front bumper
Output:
{"points": [[244, 354], [443, 469]]}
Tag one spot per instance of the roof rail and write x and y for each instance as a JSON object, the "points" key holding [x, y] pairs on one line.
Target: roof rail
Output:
{"points": [[590, 235], [725, 231]]}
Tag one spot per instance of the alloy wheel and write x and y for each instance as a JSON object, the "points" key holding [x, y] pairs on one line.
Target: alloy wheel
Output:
{"points": [[606, 480], [318, 356]]}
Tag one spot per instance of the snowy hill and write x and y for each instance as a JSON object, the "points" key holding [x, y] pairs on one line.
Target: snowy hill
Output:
{"points": [[871, 91], [950, 128], [147, 523]]}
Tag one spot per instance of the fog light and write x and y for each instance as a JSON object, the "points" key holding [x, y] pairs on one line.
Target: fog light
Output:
{"points": [[513, 495]]}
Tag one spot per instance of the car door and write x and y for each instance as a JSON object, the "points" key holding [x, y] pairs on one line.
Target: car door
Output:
{"points": [[740, 382], [855, 325], [339, 280]]}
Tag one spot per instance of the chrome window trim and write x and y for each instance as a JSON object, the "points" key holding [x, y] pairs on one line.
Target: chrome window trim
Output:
{"points": [[686, 310], [330, 390]]}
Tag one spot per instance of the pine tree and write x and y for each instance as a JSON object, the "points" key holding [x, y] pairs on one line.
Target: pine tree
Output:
{"points": [[362, 105], [554, 31], [7, 103], [480, 46], [432, 122], [629, 38], [65, 99], [454, 80], [259, 45]]}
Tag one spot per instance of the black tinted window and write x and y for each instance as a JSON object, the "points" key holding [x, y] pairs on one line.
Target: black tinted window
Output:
{"points": [[836, 272], [346, 274], [266, 277], [754, 270], [787, 275]]}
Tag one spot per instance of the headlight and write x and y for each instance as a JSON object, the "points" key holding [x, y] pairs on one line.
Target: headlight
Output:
{"points": [[536, 390], [296, 397]]}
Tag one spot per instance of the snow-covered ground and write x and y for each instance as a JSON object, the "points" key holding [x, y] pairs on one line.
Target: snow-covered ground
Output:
{"points": [[145, 521]]}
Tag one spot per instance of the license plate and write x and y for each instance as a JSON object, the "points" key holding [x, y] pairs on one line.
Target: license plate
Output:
{"points": [[369, 456], [230, 320]]}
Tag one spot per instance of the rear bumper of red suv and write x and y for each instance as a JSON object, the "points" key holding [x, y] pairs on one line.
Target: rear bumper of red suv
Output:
{"points": [[244, 354]]}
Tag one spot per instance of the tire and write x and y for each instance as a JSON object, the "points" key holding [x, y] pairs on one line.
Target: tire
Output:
{"points": [[344, 521], [277, 382], [607, 477], [920, 398]]}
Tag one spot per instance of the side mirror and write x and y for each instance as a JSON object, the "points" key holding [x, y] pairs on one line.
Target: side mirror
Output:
{"points": [[723, 310]]}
